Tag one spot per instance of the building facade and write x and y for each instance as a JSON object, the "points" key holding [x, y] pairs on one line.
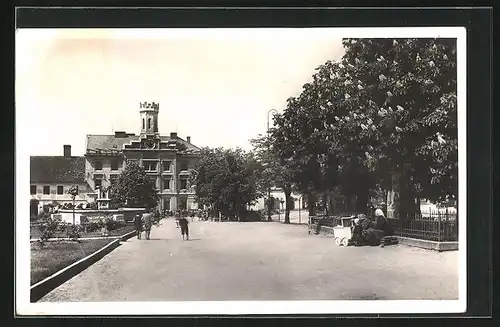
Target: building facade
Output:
{"points": [[52, 176], [167, 159]]}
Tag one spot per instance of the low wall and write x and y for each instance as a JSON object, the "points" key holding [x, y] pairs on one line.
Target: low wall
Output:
{"points": [[126, 214], [429, 245]]}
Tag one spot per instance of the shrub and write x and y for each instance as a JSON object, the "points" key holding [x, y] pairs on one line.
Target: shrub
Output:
{"points": [[48, 227], [111, 224], [73, 232]]}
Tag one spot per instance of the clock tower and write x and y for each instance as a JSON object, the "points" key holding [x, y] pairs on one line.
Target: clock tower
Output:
{"points": [[149, 119]]}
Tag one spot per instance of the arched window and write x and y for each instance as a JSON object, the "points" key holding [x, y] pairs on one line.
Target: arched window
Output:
{"points": [[149, 123], [143, 124]]}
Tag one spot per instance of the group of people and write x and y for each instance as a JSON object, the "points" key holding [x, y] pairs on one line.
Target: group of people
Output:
{"points": [[370, 231], [144, 222]]}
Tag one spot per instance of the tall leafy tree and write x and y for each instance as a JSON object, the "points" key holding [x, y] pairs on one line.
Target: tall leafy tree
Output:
{"points": [[227, 180], [134, 188], [382, 117], [405, 103], [278, 170]]}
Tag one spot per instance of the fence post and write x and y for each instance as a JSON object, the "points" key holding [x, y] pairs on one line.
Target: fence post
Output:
{"points": [[439, 226], [446, 227]]}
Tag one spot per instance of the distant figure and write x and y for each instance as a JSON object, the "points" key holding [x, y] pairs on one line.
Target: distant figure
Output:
{"points": [[147, 219], [138, 226], [184, 224]]}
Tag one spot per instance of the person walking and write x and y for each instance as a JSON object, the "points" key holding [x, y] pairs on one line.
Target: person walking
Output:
{"points": [[184, 224], [147, 219], [138, 226]]}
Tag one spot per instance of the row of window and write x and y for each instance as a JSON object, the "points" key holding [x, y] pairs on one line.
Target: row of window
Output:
{"points": [[148, 165], [98, 178], [46, 189], [152, 165], [115, 164]]}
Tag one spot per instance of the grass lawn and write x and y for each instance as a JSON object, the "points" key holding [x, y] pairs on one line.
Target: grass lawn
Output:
{"points": [[35, 232], [56, 256]]}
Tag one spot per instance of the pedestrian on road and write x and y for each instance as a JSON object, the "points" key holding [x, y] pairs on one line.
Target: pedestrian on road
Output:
{"points": [[147, 218], [184, 224], [138, 226]]}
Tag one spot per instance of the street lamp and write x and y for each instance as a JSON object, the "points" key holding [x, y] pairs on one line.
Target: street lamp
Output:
{"points": [[269, 188]]}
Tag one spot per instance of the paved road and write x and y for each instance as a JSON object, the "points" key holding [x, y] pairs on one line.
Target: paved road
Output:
{"points": [[259, 261]]}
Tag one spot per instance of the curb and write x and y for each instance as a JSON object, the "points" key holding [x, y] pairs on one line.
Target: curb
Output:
{"points": [[128, 235], [40, 289], [428, 245]]}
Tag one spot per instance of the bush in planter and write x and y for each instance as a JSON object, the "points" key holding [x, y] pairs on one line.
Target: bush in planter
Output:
{"points": [[48, 227], [112, 224], [73, 232]]}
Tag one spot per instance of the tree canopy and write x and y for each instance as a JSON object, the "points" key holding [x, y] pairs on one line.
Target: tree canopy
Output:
{"points": [[134, 188], [387, 108], [227, 180]]}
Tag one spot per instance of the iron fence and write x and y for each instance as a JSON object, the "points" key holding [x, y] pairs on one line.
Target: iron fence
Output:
{"points": [[432, 226]]}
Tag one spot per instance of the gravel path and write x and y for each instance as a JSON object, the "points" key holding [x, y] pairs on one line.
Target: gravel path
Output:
{"points": [[259, 261]]}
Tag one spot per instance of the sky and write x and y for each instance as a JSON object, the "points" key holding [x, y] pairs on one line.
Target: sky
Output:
{"points": [[215, 85]]}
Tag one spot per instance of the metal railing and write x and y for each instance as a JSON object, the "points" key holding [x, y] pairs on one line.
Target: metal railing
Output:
{"points": [[432, 226]]}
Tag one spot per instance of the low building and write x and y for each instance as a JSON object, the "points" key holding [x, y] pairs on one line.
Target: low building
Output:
{"points": [[52, 176], [279, 196]]}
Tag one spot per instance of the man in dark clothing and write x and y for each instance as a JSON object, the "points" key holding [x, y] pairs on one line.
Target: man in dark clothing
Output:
{"points": [[138, 226], [184, 224]]}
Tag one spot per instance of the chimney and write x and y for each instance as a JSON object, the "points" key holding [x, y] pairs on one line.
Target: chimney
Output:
{"points": [[67, 150], [188, 139], [173, 135]]}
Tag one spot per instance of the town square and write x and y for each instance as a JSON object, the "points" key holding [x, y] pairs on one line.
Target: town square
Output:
{"points": [[280, 166]]}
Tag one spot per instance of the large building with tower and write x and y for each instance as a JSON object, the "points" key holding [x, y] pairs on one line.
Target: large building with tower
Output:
{"points": [[166, 158]]}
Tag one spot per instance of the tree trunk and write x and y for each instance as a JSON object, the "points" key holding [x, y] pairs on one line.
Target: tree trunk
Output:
{"points": [[325, 203], [269, 204], [362, 201], [288, 194], [311, 204]]}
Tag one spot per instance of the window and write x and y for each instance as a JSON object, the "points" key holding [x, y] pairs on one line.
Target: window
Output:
{"points": [[98, 165], [115, 164], [143, 124], [32, 189], [46, 190], [98, 180], [149, 165], [167, 165], [60, 189], [149, 123], [166, 183], [183, 204], [183, 184], [183, 165]]}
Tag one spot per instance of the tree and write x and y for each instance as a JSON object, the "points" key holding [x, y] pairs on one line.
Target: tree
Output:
{"points": [[227, 180], [382, 117], [134, 188], [405, 101], [278, 170]]}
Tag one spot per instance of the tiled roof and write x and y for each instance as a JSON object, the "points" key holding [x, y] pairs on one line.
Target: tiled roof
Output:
{"points": [[57, 169], [111, 142]]}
